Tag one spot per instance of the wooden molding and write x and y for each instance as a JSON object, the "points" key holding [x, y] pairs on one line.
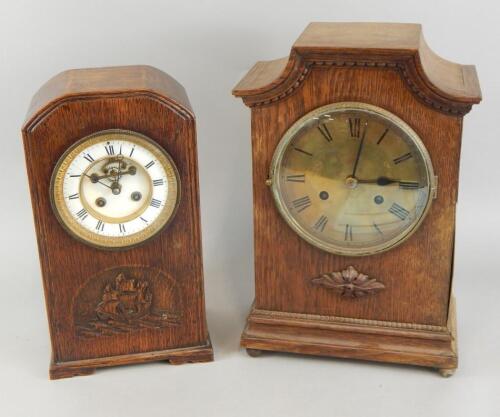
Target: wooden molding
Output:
{"points": [[443, 85], [423, 345]]}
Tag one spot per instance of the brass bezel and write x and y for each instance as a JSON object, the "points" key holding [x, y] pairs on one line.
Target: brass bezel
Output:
{"points": [[275, 171], [114, 242]]}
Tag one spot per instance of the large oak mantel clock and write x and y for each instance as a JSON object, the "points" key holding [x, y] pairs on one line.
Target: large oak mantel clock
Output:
{"points": [[356, 144], [112, 165]]}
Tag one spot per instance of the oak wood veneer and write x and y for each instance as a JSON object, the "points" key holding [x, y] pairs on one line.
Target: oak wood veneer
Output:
{"points": [[70, 106], [412, 320]]}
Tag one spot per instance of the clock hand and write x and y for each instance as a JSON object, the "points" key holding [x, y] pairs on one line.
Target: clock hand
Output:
{"points": [[359, 153], [131, 170], [385, 181], [96, 180], [119, 170]]}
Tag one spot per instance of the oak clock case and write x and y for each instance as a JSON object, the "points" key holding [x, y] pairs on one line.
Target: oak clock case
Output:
{"points": [[112, 167], [356, 144]]}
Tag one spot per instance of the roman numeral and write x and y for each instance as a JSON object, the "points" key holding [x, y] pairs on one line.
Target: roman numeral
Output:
{"points": [[296, 178], [73, 196], [302, 151], [119, 153], [399, 211], [355, 127], [375, 225], [122, 227], [82, 214], [100, 226], [110, 150], [131, 152], [149, 164], [325, 132], [321, 223], [348, 233], [158, 182], [75, 175], [143, 219], [381, 138], [88, 157], [408, 185], [302, 203], [402, 158], [155, 203]]}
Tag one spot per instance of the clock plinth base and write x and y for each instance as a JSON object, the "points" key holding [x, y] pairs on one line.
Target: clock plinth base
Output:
{"points": [[193, 354], [404, 343]]}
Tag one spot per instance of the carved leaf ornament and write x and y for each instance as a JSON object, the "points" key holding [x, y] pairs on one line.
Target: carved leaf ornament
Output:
{"points": [[349, 283]]}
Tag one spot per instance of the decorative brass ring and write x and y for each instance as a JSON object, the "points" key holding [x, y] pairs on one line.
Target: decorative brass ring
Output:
{"points": [[84, 235]]}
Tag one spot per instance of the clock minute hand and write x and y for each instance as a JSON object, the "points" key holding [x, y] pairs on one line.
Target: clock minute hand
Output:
{"points": [[360, 148]]}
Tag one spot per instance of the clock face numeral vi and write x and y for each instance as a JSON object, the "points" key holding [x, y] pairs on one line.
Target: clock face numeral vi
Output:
{"points": [[348, 233], [100, 225]]}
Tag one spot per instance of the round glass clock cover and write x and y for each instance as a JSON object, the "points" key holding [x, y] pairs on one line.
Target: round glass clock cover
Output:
{"points": [[352, 179], [115, 189]]}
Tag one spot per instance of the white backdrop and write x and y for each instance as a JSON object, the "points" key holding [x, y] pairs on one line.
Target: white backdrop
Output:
{"points": [[208, 46]]}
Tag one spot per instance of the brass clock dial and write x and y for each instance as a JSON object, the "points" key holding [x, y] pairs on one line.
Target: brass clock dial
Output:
{"points": [[115, 189], [352, 179]]}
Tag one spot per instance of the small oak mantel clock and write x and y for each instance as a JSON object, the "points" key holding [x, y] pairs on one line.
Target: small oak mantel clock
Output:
{"points": [[356, 144], [112, 166]]}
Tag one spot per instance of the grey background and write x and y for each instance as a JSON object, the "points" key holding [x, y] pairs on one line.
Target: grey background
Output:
{"points": [[208, 46]]}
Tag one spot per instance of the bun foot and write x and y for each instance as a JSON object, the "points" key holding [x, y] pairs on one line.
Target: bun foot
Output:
{"points": [[446, 373], [254, 353]]}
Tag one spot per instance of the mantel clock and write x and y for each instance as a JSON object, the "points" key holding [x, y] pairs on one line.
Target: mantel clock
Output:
{"points": [[356, 144], [112, 165]]}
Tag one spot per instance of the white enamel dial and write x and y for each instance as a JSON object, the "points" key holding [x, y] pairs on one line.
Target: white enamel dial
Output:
{"points": [[115, 189]]}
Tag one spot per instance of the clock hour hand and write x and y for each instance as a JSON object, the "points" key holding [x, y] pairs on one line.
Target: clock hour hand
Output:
{"points": [[387, 181], [92, 179]]}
